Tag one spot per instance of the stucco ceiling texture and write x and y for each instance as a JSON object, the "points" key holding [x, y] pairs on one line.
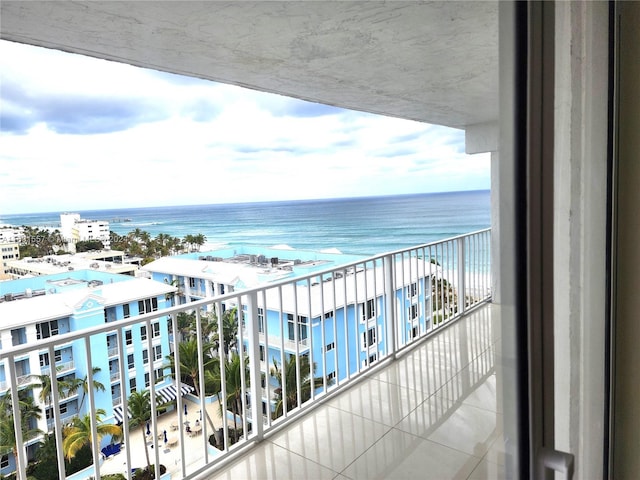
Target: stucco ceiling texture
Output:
{"points": [[435, 62]]}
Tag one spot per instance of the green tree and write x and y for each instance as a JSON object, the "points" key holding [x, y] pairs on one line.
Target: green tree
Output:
{"points": [[186, 325], [78, 433], [140, 410], [44, 383], [229, 329], [29, 412], [291, 382], [83, 383], [189, 366], [88, 245], [233, 375]]}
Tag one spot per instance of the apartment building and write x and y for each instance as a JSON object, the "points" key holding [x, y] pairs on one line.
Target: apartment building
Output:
{"points": [[59, 305], [75, 229], [10, 251], [312, 317]]}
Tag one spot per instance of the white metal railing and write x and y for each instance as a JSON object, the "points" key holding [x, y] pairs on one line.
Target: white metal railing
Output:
{"points": [[61, 367], [344, 322]]}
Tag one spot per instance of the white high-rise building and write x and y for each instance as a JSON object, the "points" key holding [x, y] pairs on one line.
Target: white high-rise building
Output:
{"points": [[75, 229]]}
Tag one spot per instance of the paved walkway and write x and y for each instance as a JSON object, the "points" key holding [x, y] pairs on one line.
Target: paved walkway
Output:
{"points": [[170, 453]]}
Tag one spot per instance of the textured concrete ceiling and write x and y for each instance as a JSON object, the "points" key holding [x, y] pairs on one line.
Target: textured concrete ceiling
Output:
{"points": [[434, 62]]}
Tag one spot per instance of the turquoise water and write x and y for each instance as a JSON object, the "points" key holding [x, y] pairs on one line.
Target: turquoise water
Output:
{"points": [[352, 225]]}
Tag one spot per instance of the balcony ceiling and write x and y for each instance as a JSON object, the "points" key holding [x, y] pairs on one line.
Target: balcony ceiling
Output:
{"points": [[432, 62]]}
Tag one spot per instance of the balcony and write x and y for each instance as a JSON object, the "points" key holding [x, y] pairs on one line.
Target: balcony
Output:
{"points": [[61, 367], [413, 388], [432, 413]]}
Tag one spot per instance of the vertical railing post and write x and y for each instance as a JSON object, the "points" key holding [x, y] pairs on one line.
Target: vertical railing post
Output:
{"points": [[17, 421], [461, 276], [55, 408], [390, 305], [91, 394], [254, 366]]}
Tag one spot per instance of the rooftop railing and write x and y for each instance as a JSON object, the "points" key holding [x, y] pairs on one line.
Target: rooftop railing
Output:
{"points": [[317, 334]]}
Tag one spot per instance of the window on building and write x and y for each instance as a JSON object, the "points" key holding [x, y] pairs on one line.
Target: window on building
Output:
{"points": [[221, 288], [263, 380], [18, 336], [368, 311], [302, 327], [44, 360], [147, 381], [331, 376], [47, 329], [147, 305], [125, 310], [412, 290], [155, 329], [262, 353], [64, 408], [330, 346], [192, 282], [143, 332], [132, 385], [369, 337], [413, 312], [328, 315], [4, 461], [145, 356], [414, 332], [110, 314], [130, 361], [261, 320], [157, 352], [159, 373], [371, 359], [128, 337]]}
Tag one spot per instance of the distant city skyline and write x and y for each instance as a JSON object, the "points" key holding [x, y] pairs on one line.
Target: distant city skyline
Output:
{"points": [[78, 133]]}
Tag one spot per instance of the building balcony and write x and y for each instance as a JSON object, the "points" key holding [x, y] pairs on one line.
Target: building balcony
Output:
{"points": [[396, 395], [61, 367]]}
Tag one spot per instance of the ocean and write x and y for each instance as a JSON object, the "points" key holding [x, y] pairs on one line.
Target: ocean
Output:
{"points": [[363, 225]]}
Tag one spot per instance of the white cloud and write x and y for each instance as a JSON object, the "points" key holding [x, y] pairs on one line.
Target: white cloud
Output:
{"points": [[80, 133]]}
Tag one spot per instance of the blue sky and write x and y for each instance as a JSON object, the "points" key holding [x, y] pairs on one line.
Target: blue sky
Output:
{"points": [[77, 133]]}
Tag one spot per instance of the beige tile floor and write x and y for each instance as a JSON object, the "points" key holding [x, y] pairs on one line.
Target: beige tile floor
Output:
{"points": [[431, 414]]}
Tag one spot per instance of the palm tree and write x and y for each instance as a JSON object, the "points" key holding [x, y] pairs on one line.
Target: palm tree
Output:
{"points": [[83, 383], [190, 364], [291, 382], [140, 410], [199, 240], [78, 433], [44, 383], [229, 329], [186, 323], [29, 411], [233, 374]]}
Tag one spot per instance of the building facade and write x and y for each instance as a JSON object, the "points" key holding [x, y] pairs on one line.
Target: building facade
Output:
{"points": [[312, 316], [53, 305], [10, 252], [75, 229]]}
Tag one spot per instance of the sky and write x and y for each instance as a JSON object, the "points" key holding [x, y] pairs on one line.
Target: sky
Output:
{"points": [[78, 133]]}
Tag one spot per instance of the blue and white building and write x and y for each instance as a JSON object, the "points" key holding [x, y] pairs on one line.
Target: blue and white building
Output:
{"points": [[33, 309], [309, 317]]}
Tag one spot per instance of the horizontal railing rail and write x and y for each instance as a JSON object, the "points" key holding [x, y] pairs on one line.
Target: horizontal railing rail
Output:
{"points": [[296, 341]]}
